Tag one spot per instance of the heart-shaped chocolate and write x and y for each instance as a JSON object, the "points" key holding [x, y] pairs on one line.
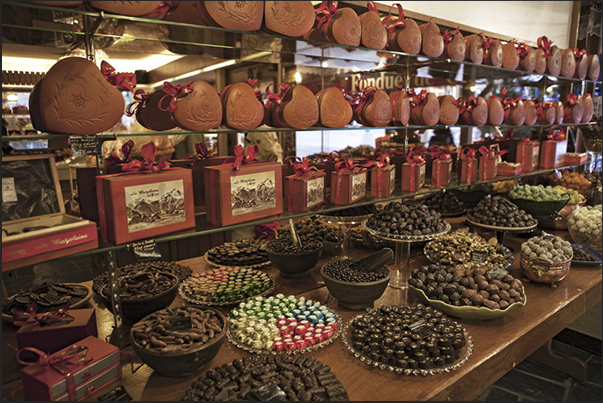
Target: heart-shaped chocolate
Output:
{"points": [[377, 111], [594, 67], [406, 39], [374, 34], [573, 113], [581, 67], [510, 56], [477, 115], [496, 112], [131, 8], [187, 13], [427, 113], [493, 56], [540, 62], [236, 15], [75, 98], [456, 48], [587, 108], [150, 116], [560, 113], [241, 109], [515, 115], [531, 113], [200, 109], [299, 109], [449, 111], [289, 18], [568, 63], [334, 110], [548, 115], [528, 61], [553, 63], [344, 28], [474, 49], [433, 43], [400, 107]]}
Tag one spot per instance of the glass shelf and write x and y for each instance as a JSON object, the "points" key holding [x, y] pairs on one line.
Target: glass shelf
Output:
{"points": [[305, 51], [204, 228], [266, 129]]}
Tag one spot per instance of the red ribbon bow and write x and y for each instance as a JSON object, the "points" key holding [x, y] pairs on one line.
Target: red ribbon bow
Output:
{"points": [[328, 10], [522, 49], [148, 154], [362, 97], [382, 162], [509, 135], [448, 35], [292, 160], [415, 159], [502, 95], [372, 155], [572, 99], [333, 156], [439, 152], [347, 165], [303, 167], [201, 151], [164, 9], [174, 91], [510, 103], [487, 41], [140, 98], [468, 152], [466, 105], [242, 157], [276, 97], [256, 90], [391, 22], [545, 45], [578, 54], [394, 153], [126, 150], [22, 318], [556, 133], [416, 99], [124, 81]]}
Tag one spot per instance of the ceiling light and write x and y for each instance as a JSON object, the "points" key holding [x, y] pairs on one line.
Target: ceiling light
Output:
{"points": [[298, 77], [325, 64], [12, 97]]}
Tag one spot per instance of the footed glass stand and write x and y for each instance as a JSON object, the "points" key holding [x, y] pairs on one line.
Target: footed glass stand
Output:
{"points": [[401, 267], [501, 231], [344, 224]]}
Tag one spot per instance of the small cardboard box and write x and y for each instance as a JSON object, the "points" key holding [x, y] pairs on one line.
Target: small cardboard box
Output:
{"points": [[468, 169], [58, 381], [441, 172], [383, 181], [134, 206], [528, 153], [553, 153], [35, 227], [575, 158], [488, 167], [252, 192], [305, 192], [196, 165], [348, 186], [413, 176], [86, 189], [52, 336], [509, 168]]}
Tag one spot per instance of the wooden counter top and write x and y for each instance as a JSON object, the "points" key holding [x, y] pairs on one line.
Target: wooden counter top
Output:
{"points": [[499, 344]]}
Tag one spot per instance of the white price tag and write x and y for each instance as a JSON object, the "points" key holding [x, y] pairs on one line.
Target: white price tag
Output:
{"points": [[9, 193]]}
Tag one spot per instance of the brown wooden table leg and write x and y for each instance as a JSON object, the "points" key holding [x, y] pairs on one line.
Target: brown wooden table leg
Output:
{"points": [[572, 366]]}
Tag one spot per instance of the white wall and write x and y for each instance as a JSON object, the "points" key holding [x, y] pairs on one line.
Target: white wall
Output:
{"points": [[524, 20]]}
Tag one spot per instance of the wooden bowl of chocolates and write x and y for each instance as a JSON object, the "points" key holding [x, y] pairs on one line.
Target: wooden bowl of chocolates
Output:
{"points": [[293, 261]]}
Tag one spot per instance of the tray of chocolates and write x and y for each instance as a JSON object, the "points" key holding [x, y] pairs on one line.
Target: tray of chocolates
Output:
{"points": [[417, 340], [281, 324], [349, 215], [246, 253], [444, 203], [313, 228], [225, 286], [499, 214], [476, 293], [268, 378]]}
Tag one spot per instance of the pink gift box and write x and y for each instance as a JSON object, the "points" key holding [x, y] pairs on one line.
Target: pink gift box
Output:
{"points": [[552, 154], [575, 158], [528, 155], [509, 169]]}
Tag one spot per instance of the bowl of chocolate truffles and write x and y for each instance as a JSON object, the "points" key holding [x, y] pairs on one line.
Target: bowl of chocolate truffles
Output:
{"points": [[546, 259], [143, 293], [354, 289], [293, 260], [180, 341]]}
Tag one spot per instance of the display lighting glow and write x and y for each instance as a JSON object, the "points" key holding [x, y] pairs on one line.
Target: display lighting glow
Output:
{"points": [[199, 71], [297, 77], [12, 97]]}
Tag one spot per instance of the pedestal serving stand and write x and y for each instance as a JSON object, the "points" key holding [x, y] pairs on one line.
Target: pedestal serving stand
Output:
{"points": [[501, 231], [343, 224]]}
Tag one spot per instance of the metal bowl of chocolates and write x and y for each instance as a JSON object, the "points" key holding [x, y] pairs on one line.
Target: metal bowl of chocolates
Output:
{"points": [[143, 293], [496, 212], [546, 259], [354, 289], [179, 341], [314, 228], [476, 293], [293, 260], [247, 253], [268, 378], [417, 340]]}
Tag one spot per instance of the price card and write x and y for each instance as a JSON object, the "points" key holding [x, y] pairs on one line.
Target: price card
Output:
{"points": [[146, 250], [85, 145], [9, 193]]}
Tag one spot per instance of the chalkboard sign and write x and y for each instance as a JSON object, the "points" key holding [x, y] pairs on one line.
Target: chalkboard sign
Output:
{"points": [[85, 145], [146, 250]]}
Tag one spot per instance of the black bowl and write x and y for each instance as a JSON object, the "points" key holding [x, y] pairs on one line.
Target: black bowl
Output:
{"points": [[135, 309], [183, 363], [294, 264]]}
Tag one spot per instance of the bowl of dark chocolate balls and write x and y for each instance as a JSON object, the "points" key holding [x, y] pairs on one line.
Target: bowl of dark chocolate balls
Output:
{"points": [[354, 289], [293, 260]]}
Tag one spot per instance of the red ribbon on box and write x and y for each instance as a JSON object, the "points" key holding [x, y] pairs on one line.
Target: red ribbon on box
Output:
{"points": [[148, 154], [545, 44], [468, 154], [448, 35], [74, 355], [556, 133], [522, 49], [487, 41], [174, 91], [164, 9], [392, 22], [502, 95], [22, 318], [302, 168], [140, 98], [439, 154], [126, 150], [125, 81], [380, 164], [328, 10], [242, 157], [578, 54], [416, 99], [571, 100], [277, 99], [331, 158], [466, 105], [342, 167]]}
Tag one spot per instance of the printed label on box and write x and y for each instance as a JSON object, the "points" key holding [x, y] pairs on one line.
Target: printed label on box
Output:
{"points": [[358, 186], [315, 191], [253, 192], [9, 193], [535, 156], [421, 175], [154, 205], [392, 181]]}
